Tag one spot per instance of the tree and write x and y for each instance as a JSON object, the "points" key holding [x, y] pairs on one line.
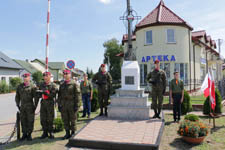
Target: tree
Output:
{"points": [[37, 77], [112, 48], [89, 73]]}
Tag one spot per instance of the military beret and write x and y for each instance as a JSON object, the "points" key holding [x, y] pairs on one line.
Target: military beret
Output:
{"points": [[26, 75], [102, 65], [156, 61], [66, 71], [46, 73]]}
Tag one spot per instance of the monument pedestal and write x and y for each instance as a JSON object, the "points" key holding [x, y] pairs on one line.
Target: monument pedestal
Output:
{"points": [[130, 102]]}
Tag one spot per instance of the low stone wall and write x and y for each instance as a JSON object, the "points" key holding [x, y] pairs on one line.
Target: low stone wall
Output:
{"points": [[196, 107]]}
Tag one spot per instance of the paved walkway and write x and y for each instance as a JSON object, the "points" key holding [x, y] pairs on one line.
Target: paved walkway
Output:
{"points": [[121, 131]]}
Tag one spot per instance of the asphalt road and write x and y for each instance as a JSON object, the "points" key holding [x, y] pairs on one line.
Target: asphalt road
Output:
{"points": [[8, 107]]}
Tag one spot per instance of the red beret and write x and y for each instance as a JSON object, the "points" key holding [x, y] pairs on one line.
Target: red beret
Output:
{"points": [[102, 65], [156, 61], [26, 75], [66, 71], [46, 73]]}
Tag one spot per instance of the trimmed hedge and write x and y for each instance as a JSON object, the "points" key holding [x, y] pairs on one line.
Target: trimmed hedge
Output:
{"points": [[186, 106], [218, 108]]}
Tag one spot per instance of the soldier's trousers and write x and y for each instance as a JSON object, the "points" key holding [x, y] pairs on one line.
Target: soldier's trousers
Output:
{"points": [[176, 106], [157, 99], [103, 96], [69, 117], [27, 119], [47, 115]]}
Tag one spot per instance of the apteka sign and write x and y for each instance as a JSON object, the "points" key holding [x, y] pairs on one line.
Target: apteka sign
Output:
{"points": [[159, 57]]}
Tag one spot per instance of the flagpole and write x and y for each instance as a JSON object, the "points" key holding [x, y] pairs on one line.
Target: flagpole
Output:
{"points": [[47, 37]]}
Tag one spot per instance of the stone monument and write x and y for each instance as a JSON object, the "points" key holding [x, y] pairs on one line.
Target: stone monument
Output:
{"points": [[129, 102]]}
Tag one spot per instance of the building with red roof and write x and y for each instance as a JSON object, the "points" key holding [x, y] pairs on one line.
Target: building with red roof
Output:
{"points": [[165, 36]]}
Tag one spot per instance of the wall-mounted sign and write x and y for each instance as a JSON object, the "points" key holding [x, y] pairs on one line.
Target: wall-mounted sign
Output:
{"points": [[159, 57]]}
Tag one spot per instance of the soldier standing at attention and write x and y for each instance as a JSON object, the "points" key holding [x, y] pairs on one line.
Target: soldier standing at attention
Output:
{"points": [[157, 78], [87, 95], [48, 94], [104, 81], [27, 104], [177, 95], [68, 103]]}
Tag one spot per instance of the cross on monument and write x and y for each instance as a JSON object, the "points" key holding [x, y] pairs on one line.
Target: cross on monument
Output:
{"points": [[129, 17]]}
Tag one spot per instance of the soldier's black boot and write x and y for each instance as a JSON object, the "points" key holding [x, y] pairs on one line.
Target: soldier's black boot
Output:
{"points": [[67, 136], [106, 112], [72, 133], [101, 112], [155, 115], [158, 115], [23, 137], [29, 137], [51, 135], [44, 135]]}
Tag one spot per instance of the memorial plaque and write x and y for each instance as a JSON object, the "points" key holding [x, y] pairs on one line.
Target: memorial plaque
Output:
{"points": [[129, 80]]}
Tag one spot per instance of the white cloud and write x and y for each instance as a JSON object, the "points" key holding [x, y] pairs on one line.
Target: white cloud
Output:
{"points": [[105, 1]]}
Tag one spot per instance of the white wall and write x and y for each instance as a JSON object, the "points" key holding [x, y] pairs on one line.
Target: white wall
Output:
{"points": [[9, 73]]}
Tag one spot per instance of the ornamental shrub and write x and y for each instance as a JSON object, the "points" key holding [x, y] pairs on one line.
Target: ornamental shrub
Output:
{"points": [[186, 106], [218, 108], [94, 101], [191, 117], [58, 125]]}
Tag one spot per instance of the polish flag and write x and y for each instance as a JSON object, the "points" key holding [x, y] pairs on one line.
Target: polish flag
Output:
{"points": [[208, 88]]}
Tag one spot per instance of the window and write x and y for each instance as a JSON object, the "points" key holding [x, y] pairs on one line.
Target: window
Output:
{"points": [[148, 37], [170, 36], [183, 70], [143, 73], [166, 68], [3, 78]]}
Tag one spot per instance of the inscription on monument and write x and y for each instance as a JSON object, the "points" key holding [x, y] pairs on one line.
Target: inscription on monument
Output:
{"points": [[129, 80]]}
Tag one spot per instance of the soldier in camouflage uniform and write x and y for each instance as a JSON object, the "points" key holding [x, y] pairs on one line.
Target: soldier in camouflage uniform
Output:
{"points": [[157, 78], [104, 81], [48, 92], [69, 97], [27, 104]]}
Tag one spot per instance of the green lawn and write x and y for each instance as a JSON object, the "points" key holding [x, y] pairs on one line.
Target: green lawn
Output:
{"points": [[194, 99], [46, 144]]}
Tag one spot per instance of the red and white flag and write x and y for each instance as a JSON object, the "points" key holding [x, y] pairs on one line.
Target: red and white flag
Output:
{"points": [[208, 88]]}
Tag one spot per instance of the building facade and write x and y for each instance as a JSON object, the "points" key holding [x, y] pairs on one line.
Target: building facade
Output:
{"points": [[165, 36], [8, 68]]}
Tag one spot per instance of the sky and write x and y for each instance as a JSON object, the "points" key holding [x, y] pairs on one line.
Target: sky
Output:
{"points": [[78, 28]]}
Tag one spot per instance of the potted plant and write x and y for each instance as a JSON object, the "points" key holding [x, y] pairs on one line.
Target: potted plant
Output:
{"points": [[193, 131]]}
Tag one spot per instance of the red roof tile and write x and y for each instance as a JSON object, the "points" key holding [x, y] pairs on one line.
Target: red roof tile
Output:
{"points": [[162, 15], [199, 33]]}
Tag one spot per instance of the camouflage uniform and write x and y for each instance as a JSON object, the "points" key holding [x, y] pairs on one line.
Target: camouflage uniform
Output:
{"points": [[158, 80], [26, 103], [69, 97], [47, 107], [104, 82]]}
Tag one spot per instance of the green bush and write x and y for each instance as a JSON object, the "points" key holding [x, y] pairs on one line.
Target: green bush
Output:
{"points": [[218, 108], [58, 125], [186, 106], [4, 88], [14, 82], [191, 117], [94, 101]]}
